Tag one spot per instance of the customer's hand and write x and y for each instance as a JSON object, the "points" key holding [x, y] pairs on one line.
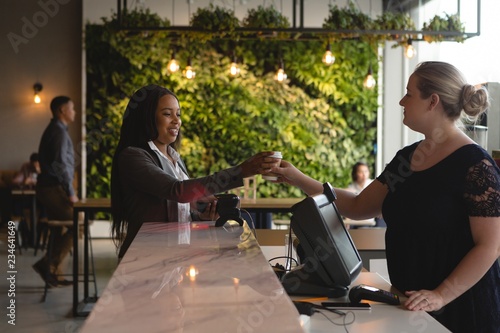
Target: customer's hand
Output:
{"points": [[287, 172], [260, 163], [426, 300], [74, 199]]}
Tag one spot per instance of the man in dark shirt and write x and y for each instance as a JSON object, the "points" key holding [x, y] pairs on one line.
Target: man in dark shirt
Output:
{"points": [[54, 187]]}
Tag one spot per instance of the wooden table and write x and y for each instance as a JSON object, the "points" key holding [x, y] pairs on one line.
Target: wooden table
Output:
{"points": [[274, 205], [263, 206]]}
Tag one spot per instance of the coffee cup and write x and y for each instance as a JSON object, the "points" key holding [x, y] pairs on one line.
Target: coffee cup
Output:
{"points": [[270, 175]]}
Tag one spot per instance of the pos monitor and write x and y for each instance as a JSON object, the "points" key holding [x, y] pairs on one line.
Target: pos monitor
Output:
{"points": [[330, 261]]}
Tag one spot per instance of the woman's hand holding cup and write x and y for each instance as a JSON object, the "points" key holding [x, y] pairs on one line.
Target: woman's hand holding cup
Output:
{"points": [[272, 176]]}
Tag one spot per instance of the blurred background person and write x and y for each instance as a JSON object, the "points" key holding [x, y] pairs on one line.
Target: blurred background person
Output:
{"points": [[360, 176], [28, 174], [54, 187]]}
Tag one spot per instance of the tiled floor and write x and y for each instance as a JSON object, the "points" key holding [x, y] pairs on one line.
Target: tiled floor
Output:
{"points": [[54, 315]]}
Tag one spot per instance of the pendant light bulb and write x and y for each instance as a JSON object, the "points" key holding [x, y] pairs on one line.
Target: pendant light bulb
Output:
{"points": [[410, 51], [188, 72], [37, 87], [234, 69], [328, 57], [369, 82], [173, 64], [280, 75]]}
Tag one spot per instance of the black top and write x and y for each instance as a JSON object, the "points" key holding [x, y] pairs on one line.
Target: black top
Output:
{"points": [[428, 231], [57, 157]]}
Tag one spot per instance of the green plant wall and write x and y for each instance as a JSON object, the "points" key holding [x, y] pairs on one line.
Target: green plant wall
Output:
{"points": [[322, 118]]}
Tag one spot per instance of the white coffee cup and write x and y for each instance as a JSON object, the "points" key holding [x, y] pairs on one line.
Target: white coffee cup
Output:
{"points": [[272, 176]]}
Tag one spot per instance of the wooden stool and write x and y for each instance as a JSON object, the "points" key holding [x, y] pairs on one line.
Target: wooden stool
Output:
{"points": [[52, 224]]}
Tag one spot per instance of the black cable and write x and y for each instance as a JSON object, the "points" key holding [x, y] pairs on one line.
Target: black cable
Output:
{"points": [[344, 316], [284, 257], [289, 253], [252, 226], [307, 307]]}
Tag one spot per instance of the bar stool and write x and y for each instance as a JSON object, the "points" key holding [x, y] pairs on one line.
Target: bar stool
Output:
{"points": [[52, 224]]}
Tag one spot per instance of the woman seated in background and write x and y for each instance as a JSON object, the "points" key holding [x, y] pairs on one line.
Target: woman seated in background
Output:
{"points": [[360, 176], [149, 181]]}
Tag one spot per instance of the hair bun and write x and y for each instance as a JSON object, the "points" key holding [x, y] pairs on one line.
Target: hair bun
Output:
{"points": [[474, 100]]}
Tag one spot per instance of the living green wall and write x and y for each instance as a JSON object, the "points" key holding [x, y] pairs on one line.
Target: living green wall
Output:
{"points": [[322, 118]]}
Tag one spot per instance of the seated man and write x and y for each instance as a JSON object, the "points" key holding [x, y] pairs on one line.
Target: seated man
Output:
{"points": [[28, 174]]}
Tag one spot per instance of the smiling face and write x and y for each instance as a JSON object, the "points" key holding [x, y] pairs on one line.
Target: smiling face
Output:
{"points": [[168, 121], [414, 106]]}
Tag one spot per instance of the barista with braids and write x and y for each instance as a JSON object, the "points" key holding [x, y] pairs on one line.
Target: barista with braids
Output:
{"points": [[440, 198]]}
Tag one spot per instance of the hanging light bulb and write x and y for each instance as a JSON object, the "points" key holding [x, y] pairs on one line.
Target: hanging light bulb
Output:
{"points": [[280, 75], [234, 69], [328, 57], [173, 64], [188, 72], [410, 51], [37, 87], [369, 81]]}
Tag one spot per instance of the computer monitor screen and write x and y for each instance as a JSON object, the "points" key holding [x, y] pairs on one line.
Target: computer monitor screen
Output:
{"points": [[330, 259]]}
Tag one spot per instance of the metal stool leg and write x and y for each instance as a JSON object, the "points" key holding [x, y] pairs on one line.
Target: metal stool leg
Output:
{"points": [[92, 263], [42, 234], [49, 257]]}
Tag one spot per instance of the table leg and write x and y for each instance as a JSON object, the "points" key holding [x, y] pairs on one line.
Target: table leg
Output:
{"points": [[86, 256], [34, 222], [263, 220], [75, 262]]}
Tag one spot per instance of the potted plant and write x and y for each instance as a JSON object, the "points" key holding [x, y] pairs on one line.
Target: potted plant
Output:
{"points": [[396, 22], [267, 18], [215, 21], [265, 53], [449, 23], [347, 18]]}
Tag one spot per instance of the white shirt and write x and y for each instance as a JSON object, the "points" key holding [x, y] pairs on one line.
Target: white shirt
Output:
{"points": [[183, 209], [356, 188]]}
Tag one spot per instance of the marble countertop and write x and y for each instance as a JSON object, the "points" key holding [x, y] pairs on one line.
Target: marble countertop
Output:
{"points": [[193, 277]]}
